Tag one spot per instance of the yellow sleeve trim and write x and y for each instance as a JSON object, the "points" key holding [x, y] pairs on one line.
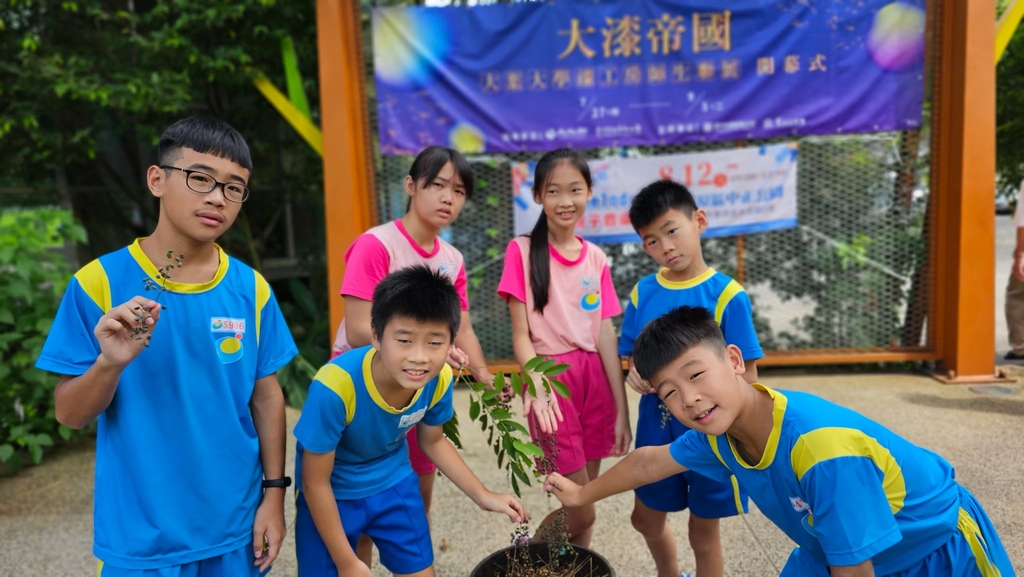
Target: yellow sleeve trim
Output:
{"points": [[634, 295], [444, 382], [93, 280], [835, 442], [732, 289], [336, 379], [262, 296]]}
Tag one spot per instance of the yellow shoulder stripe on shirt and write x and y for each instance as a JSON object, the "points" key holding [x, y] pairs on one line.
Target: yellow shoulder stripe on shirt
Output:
{"points": [[732, 289], [262, 296], [444, 382], [93, 280], [634, 295], [336, 379], [713, 441], [834, 442]]}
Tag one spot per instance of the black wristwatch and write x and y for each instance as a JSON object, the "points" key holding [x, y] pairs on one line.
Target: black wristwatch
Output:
{"points": [[282, 483]]}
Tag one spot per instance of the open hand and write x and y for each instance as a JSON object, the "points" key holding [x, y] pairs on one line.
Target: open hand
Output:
{"points": [[502, 503], [567, 492], [116, 330], [544, 407]]}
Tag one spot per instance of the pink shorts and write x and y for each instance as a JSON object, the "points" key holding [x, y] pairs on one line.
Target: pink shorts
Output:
{"points": [[587, 432], [421, 463]]}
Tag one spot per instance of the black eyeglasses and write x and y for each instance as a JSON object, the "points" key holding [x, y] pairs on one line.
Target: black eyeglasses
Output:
{"points": [[204, 183]]}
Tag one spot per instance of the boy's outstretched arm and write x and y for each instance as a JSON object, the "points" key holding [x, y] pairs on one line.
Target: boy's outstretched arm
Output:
{"points": [[641, 467], [448, 460], [267, 406], [316, 486]]}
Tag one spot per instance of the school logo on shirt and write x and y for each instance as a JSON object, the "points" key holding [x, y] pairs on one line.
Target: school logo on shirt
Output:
{"points": [[591, 286], [229, 348], [411, 419], [448, 268]]}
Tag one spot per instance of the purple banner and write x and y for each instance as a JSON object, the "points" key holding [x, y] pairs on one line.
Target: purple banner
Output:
{"points": [[536, 76]]}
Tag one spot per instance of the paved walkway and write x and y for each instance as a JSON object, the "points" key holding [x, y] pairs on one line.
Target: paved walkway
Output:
{"points": [[46, 511]]}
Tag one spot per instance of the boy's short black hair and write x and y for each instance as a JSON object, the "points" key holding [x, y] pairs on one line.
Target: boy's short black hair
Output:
{"points": [[667, 337], [656, 199], [205, 136], [418, 293]]}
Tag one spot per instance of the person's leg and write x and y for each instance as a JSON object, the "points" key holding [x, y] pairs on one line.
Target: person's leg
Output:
{"points": [[312, 556], [660, 541], [1014, 310], [364, 550], [706, 542], [578, 520], [423, 467], [711, 500], [653, 502], [398, 526]]}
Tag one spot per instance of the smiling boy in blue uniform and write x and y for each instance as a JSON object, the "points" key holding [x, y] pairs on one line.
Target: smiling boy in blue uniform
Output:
{"points": [[352, 461], [191, 424], [857, 499], [669, 223]]}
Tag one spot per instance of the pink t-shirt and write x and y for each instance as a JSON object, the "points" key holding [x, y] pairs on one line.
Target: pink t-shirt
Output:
{"points": [[580, 296], [386, 248]]}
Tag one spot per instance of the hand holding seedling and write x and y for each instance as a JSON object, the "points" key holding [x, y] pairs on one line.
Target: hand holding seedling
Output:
{"points": [[503, 503], [118, 331], [567, 492]]}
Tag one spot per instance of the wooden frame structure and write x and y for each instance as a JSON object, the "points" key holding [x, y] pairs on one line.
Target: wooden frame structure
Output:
{"points": [[961, 223]]}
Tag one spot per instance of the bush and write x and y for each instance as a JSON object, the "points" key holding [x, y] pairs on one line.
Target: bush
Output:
{"points": [[33, 275]]}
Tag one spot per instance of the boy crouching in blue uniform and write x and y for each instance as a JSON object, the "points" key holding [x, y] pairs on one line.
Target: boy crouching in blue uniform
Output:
{"points": [[857, 499], [352, 461]]}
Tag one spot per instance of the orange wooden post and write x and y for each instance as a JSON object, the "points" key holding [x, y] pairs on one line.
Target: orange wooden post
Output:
{"points": [[964, 178], [348, 172]]}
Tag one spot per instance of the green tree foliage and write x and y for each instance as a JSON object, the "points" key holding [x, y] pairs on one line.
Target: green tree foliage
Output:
{"points": [[33, 275], [88, 86], [1009, 120]]}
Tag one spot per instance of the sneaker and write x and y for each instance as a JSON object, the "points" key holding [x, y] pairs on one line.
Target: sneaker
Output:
{"points": [[1012, 356], [680, 575]]}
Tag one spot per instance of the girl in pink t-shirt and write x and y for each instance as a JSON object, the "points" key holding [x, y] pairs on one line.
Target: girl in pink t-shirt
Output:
{"points": [[559, 291], [439, 182]]}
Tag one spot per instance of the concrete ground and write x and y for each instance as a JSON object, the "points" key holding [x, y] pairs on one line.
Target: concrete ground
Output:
{"points": [[46, 511]]}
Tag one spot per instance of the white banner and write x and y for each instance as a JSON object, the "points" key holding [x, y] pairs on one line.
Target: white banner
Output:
{"points": [[743, 191]]}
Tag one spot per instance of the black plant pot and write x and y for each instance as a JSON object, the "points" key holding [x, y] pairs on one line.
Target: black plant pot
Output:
{"points": [[540, 554]]}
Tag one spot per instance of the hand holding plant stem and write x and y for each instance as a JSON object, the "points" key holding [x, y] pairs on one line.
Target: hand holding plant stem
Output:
{"points": [[143, 312], [508, 438]]}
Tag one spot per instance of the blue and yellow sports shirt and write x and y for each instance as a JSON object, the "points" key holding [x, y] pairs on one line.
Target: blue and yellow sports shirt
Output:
{"points": [[177, 457], [840, 485], [655, 296], [345, 413]]}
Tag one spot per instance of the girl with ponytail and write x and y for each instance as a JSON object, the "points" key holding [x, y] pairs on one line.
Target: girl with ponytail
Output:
{"points": [[564, 312]]}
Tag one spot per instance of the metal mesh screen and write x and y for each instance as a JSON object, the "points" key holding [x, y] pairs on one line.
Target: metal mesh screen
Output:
{"points": [[852, 276]]}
